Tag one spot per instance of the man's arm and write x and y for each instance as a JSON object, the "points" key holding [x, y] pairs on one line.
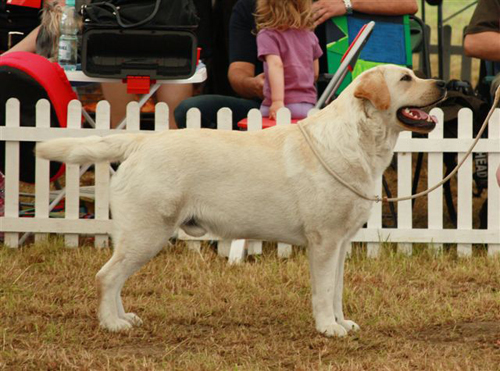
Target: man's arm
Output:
{"points": [[242, 78], [243, 52], [483, 45], [385, 7], [326, 9]]}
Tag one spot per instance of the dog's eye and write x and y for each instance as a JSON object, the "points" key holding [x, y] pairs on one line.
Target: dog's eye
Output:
{"points": [[406, 78]]}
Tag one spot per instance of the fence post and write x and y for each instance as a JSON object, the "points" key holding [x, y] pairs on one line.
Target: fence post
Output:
{"points": [[238, 247], [72, 203], [42, 170], [161, 116], [237, 251], [493, 187], [464, 182], [404, 189], [101, 177], [254, 123], [284, 117], [446, 51], [465, 69], [375, 222], [193, 121], [434, 176], [12, 170], [224, 122]]}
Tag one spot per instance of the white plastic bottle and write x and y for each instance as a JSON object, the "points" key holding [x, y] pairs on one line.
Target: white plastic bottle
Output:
{"points": [[68, 41]]}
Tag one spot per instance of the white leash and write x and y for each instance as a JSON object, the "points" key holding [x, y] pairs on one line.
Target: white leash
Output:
{"points": [[396, 199]]}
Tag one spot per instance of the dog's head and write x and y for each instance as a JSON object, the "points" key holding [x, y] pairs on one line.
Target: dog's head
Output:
{"points": [[47, 41], [397, 92]]}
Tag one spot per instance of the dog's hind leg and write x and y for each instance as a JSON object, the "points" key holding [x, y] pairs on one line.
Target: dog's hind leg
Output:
{"points": [[133, 249], [323, 257], [337, 299]]}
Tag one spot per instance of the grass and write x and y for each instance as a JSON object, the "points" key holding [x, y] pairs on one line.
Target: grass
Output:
{"points": [[416, 313]]}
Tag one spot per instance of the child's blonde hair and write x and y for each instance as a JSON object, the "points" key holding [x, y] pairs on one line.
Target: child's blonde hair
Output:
{"points": [[284, 14]]}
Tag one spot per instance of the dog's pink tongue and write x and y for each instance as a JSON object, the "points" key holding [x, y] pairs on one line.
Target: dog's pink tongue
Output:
{"points": [[418, 114]]}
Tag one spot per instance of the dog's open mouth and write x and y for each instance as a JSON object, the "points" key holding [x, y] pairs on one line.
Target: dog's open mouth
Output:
{"points": [[416, 119]]}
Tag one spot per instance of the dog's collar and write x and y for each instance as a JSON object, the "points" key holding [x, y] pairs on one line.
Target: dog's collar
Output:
{"points": [[331, 171]]}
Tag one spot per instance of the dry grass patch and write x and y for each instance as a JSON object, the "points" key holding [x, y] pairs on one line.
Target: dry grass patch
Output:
{"points": [[415, 313]]}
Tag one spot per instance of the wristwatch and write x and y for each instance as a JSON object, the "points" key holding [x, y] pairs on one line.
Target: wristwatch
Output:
{"points": [[348, 6]]}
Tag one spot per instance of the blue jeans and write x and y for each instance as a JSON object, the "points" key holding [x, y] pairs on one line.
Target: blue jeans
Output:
{"points": [[209, 105]]}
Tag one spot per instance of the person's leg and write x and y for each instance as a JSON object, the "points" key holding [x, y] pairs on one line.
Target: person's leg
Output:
{"points": [[264, 111], [116, 95], [299, 110], [173, 94], [209, 105]]}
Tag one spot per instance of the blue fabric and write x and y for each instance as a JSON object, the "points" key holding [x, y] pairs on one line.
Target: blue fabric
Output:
{"points": [[386, 44]]}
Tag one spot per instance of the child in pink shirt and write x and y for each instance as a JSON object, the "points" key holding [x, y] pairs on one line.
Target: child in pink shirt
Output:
{"points": [[290, 51]]}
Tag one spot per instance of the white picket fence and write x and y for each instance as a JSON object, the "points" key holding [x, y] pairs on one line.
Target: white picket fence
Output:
{"points": [[71, 226]]}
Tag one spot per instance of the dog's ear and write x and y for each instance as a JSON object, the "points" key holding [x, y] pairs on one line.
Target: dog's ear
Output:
{"points": [[372, 86]]}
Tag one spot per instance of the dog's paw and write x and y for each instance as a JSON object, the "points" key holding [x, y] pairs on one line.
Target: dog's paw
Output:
{"points": [[349, 325], [133, 319], [332, 330], [116, 325]]}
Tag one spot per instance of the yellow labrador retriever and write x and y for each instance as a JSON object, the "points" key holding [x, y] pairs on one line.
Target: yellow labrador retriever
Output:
{"points": [[265, 185]]}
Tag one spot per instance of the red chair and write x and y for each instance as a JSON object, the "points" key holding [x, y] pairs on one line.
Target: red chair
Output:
{"points": [[29, 78]]}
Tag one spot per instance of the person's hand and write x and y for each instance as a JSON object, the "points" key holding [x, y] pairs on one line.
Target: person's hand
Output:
{"points": [[241, 76], [326, 9], [275, 106], [258, 86]]}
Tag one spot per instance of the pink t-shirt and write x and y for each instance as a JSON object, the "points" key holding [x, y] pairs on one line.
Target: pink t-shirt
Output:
{"points": [[297, 49]]}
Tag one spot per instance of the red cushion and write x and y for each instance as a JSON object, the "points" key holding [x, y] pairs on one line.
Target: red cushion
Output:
{"points": [[49, 75], [52, 78], [266, 123]]}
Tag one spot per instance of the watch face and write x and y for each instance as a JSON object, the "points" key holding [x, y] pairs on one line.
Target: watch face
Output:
{"points": [[348, 6]]}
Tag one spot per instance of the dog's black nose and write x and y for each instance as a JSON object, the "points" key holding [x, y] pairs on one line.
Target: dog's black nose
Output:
{"points": [[441, 84]]}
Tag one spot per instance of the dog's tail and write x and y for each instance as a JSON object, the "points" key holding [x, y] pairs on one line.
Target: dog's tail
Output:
{"points": [[91, 149]]}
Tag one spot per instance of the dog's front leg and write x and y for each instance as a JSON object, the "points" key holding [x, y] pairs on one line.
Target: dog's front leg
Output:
{"points": [[337, 299], [323, 262]]}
